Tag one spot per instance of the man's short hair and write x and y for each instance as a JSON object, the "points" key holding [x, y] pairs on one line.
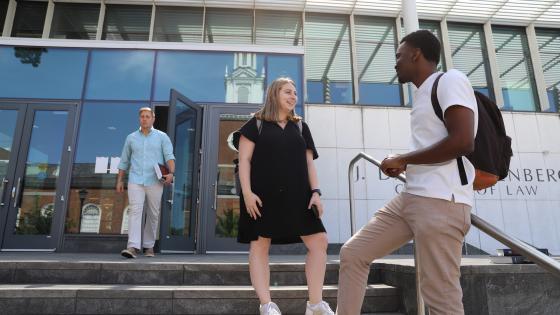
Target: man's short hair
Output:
{"points": [[427, 42], [146, 109]]}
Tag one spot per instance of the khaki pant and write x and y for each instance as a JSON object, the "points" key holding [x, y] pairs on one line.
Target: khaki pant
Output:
{"points": [[140, 197], [438, 227]]}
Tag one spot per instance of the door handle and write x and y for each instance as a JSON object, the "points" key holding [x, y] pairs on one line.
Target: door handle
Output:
{"points": [[215, 196], [15, 193], [2, 187]]}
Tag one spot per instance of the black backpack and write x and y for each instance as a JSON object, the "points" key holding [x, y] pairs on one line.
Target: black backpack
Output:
{"points": [[492, 147], [236, 137]]}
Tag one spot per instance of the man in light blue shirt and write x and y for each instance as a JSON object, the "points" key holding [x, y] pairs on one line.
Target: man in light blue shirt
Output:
{"points": [[143, 151]]}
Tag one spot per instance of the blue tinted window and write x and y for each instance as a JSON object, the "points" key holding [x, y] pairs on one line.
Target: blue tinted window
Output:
{"points": [[210, 77], [42, 72], [469, 54], [321, 92], [549, 50], [386, 94], [103, 129], [327, 54], [515, 68], [120, 75], [287, 66], [375, 48], [553, 99]]}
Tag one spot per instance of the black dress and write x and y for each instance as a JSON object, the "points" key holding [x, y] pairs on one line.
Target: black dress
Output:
{"points": [[280, 178]]}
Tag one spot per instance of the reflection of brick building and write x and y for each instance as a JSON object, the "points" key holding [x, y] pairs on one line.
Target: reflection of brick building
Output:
{"points": [[97, 189], [100, 191], [227, 203]]}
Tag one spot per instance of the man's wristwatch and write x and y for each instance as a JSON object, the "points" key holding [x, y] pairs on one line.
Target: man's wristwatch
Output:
{"points": [[316, 190]]}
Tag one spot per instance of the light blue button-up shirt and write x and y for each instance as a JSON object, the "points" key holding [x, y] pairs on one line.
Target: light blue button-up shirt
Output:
{"points": [[140, 154]]}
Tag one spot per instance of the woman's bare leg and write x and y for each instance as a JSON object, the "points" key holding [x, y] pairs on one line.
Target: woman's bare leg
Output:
{"points": [[315, 265], [259, 268]]}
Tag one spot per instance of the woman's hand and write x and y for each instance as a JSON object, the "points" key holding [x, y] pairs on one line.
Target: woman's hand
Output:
{"points": [[252, 203], [316, 200]]}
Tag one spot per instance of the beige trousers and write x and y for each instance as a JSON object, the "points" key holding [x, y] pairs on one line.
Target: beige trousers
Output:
{"points": [[139, 198], [438, 227]]}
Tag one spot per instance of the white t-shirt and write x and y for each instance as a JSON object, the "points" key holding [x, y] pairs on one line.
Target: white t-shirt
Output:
{"points": [[440, 180]]}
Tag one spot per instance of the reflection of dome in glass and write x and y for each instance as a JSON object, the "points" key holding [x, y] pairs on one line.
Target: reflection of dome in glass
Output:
{"points": [[244, 84]]}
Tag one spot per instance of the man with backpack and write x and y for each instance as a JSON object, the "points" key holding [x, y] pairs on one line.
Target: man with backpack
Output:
{"points": [[434, 208]]}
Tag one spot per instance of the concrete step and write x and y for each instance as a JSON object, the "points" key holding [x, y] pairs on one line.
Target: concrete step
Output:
{"points": [[132, 299], [154, 273]]}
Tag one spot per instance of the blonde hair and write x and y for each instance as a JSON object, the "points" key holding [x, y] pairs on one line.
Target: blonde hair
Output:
{"points": [[146, 109], [270, 110]]}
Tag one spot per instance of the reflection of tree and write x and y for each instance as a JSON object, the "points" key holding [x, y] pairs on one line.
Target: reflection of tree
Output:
{"points": [[30, 55], [36, 222], [226, 225]]}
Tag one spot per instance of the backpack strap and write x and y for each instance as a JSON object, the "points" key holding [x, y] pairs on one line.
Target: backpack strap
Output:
{"points": [[259, 125], [439, 114], [300, 126]]}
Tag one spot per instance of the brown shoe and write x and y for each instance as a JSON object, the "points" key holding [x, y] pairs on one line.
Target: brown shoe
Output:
{"points": [[129, 252], [149, 252]]}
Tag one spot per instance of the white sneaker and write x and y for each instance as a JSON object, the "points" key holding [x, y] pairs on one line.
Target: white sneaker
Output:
{"points": [[321, 308], [270, 308]]}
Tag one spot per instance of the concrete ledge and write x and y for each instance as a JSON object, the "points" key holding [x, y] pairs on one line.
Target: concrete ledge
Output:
{"points": [[488, 289], [126, 299]]}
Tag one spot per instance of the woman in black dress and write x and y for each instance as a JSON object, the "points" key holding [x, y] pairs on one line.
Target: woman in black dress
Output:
{"points": [[279, 186]]}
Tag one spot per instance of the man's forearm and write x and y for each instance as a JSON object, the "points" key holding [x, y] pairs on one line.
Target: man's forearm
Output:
{"points": [[442, 151], [171, 165], [120, 176]]}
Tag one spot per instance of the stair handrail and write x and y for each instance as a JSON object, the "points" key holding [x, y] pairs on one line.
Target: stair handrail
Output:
{"points": [[534, 255]]}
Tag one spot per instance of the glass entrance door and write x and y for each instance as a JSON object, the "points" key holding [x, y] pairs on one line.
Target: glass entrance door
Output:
{"points": [[221, 206], [181, 202], [36, 172], [11, 121]]}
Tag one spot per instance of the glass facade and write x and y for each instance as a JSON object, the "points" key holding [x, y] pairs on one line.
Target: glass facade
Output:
{"points": [[177, 24], [56, 73], [42, 169], [515, 68], [103, 130], [118, 83], [279, 28], [376, 46], [328, 69], [120, 75], [470, 56], [327, 59], [211, 76], [228, 26], [127, 22], [29, 19], [548, 41], [75, 21]]}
